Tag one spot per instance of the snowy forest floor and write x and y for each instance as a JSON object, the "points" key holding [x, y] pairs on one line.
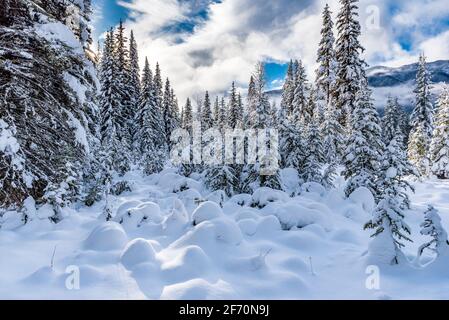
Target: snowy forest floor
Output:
{"points": [[240, 252]]}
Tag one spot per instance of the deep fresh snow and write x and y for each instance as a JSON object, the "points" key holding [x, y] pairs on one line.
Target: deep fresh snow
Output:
{"points": [[182, 245]]}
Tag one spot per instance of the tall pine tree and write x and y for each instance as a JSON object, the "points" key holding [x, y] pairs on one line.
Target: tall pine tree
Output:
{"points": [[421, 121], [326, 72], [439, 148], [388, 216], [350, 66], [364, 146]]}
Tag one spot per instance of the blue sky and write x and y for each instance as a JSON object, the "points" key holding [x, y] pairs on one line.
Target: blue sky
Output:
{"points": [[207, 44]]}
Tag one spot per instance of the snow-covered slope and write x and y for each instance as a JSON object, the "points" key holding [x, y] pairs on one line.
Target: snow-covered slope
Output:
{"points": [[164, 243]]}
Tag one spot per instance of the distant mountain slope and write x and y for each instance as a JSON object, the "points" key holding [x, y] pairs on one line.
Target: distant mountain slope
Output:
{"points": [[398, 82], [388, 77]]}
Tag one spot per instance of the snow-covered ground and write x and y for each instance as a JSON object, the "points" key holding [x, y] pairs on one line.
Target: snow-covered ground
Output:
{"points": [[171, 239]]}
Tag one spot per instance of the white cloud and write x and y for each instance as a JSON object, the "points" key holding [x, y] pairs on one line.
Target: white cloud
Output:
{"points": [[238, 33]]}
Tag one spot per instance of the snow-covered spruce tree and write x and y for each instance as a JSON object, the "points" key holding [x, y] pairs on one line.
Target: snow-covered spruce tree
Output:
{"points": [[158, 86], [404, 123], [169, 118], [314, 157], [46, 121], [206, 113], [186, 169], [175, 114], [291, 145], [123, 77], [252, 177], [312, 109], [221, 177], [364, 145], [251, 102], [332, 135], [388, 216], [235, 108], [288, 89], [150, 127], [216, 113], [78, 14], [418, 149], [350, 66], [421, 121], [14, 12], [110, 108], [432, 227], [439, 148], [390, 120], [394, 166], [291, 133], [224, 121], [274, 121], [299, 112], [134, 86], [326, 72], [235, 121], [188, 116]]}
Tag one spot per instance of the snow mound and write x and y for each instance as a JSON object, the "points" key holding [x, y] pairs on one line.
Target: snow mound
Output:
{"points": [[178, 217], [247, 214], [136, 252], [107, 236], [289, 180], [242, 199], [248, 264], [248, 226], [268, 225], [382, 251], [10, 220], [173, 182], [208, 234], [124, 207], [198, 289], [218, 197], [295, 215], [206, 211], [228, 231], [191, 262], [42, 275], [263, 196], [147, 212], [364, 198], [313, 187], [45, 212]]}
